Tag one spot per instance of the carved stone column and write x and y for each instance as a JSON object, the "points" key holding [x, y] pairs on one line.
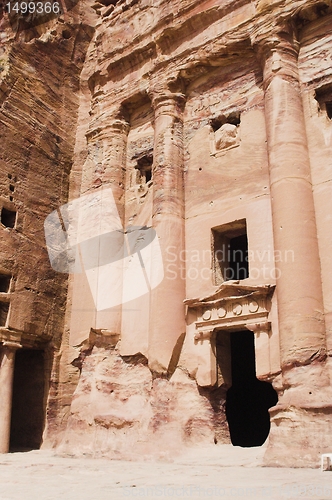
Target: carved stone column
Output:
{"points": [[104, 168], [7, 364], [299, 289], [167, 321], [106, 163], [301, 421]]}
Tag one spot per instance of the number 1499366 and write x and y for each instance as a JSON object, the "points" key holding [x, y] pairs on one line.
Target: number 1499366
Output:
{"points": [[38, 7]]}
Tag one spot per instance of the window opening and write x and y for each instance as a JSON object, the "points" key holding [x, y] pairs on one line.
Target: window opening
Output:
{"points": [[324, 98], [8, 217], [230, 252], [108, 2], [4, 283], [144, 167], [219, 121]]}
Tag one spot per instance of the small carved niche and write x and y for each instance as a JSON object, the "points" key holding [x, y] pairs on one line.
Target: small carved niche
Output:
{"points": [[5, 280], [144, 168], [8, 217], [225, 132], [324, 98]]}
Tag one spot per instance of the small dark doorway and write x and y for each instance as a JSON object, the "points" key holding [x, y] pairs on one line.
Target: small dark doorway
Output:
{"points": [[248, 399], [28, 409]]}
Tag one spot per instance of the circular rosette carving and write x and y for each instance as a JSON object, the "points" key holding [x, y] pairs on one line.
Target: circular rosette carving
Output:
{"points": [[206, 315], [221, 312], [237, 309], [253, 306]]}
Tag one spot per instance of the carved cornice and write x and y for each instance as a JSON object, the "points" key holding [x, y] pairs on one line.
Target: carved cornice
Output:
{"points": [[168, 103], [157, 51], [22, 339], [232, 306], [11, 346]]}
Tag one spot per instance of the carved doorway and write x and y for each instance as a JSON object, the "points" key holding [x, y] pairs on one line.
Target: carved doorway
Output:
{"points": [[28, 403], [248, 399]]}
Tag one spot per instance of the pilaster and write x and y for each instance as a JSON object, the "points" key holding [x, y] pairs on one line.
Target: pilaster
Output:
{"points": [[7, 365]]}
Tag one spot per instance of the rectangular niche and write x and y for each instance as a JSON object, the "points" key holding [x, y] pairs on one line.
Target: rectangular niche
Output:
{"points": [[144, 167], [324, 98], [8, 217], [230, 252], [5, 283], [4, 309]]}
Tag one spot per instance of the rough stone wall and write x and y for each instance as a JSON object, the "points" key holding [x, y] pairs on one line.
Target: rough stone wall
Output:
{"points": [[39, 100], [120, 411]]}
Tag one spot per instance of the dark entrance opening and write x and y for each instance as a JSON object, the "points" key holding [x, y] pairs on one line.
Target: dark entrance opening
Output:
{"points": [[238, 262], [28, 408], [248, 399], [8, 218]]}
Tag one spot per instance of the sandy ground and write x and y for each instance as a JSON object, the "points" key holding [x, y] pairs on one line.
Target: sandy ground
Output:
{"points": [[214, 472]]}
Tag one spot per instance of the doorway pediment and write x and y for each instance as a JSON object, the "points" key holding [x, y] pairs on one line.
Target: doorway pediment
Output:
{"points": [[231, 306]]}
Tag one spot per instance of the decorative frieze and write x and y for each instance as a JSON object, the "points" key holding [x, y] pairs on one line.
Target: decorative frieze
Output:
{"points": [[232, 306]]}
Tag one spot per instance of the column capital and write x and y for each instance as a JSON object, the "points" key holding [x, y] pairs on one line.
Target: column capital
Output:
{"points": [[277, 52], [113, 120], [281, 37], [203, 335], [258, 328], [165, 102], [11, 345]]}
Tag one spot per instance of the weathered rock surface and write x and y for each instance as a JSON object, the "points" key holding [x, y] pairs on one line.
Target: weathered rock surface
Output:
{"points": [[120, 410]]}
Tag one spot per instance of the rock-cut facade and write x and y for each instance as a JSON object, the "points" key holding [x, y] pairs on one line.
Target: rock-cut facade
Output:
{"points": [[166, 227]]}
